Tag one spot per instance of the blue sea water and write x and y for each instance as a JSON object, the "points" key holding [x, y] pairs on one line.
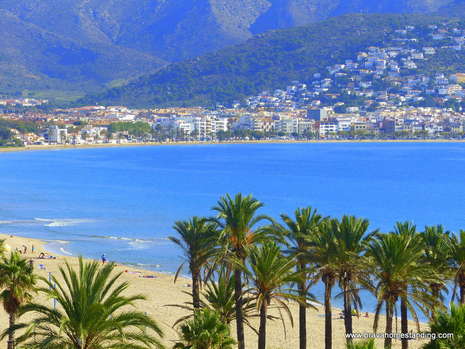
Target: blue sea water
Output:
{"points": [[123, 201]]}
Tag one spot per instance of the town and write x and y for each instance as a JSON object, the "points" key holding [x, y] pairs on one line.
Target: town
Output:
{"points": [[388, 91]]}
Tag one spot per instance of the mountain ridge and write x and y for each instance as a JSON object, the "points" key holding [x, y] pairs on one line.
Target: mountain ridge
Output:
{"points": [[267, 61], [133, 37]]}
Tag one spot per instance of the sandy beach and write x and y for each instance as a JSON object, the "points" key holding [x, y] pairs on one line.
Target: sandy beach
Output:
{"points": [[177, 143], [160, 291]]}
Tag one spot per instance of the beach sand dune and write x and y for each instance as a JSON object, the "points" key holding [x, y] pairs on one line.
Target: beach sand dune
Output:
{"points": [[160, 291]]}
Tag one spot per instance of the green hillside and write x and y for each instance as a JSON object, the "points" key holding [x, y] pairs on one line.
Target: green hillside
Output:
{"points": [[267, 61], [72, 46]]}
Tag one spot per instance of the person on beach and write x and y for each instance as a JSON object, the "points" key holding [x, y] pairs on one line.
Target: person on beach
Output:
{"points": [[104, 258], [32, 249]]}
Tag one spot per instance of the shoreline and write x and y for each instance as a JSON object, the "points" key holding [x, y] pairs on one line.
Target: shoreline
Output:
{"points": [[234, 142]]}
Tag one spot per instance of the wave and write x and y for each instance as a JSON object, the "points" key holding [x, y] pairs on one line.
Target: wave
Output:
{"points": [[65, 252], [63, 222], [19, 221], [133, 240], [57, 247], [144, 265]]}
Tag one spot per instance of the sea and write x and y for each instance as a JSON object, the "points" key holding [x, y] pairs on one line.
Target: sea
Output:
{"points": [[122, 202]]}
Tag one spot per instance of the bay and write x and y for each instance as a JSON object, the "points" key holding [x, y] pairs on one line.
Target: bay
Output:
{"points": [[124, 201]]}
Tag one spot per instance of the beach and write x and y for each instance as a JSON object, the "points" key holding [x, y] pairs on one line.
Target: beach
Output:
{"points": [[177, 143], [160, 290]]}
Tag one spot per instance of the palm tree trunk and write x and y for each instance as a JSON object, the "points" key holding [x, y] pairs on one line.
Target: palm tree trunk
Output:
{"points": [[404, 321], [347, 312], [302, 312], [196, 289], [11, 334], [239, 313], [462, 294], [435, 292], [328, 315], [388, 339], [302, 326], [262, 329]]}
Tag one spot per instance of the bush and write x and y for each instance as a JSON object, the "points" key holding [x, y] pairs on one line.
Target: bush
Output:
{"points": [[205, 331]]}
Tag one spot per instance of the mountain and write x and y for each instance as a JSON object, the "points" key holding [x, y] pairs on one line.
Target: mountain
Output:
{"points": [[84, 45], [33, 58], [267, 61], [452, 9]]}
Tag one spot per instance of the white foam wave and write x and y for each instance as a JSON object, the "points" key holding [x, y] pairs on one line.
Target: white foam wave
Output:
{"points": [[139, 244], [62, 222], [62, 242], [65, 252], [133, 240], [144, 265]]}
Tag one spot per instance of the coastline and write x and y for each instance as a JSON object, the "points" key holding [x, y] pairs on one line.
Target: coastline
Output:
{"points": [[234, 142], [161, 291]]}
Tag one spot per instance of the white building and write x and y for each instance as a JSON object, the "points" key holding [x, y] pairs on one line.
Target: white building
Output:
{"points": [[57, 135], [328, 127]]}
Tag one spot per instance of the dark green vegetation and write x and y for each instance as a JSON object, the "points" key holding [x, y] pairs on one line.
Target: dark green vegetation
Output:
{"points": [[92, 312], [21, 126], [35, 58], [449, 322], [206, 330], [267, 61], [7, 138], [61, 48], [137, 129], [7, 128]]}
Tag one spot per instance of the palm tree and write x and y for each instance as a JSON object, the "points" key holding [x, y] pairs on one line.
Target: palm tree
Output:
{"points": [[238, 220], [198, 237], [351, 239], [305, 224], [321, 251], [458, 261], [205, 331], [271, 274], [449, 323], [409, 231], [18, 281], [399, 272], [218, 296], [92, 312], [437, 254]]}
